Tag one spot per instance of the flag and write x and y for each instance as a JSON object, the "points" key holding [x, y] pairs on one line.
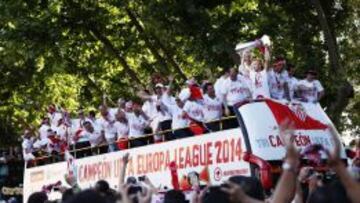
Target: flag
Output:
{"points": [[174, 175], [184, 183], [296, 114], [71, 174], [204, 175]]}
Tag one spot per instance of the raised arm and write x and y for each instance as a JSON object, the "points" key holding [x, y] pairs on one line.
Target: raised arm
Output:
{"points": [[334, 159], [267, 58], [143, 95], [285, 188], [237, 195], [125, 161]]}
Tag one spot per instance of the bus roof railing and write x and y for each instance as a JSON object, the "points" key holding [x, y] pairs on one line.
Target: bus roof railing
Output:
{"points": [[162, 133]]}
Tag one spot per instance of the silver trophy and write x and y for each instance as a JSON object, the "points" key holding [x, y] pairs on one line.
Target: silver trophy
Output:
{"points": [[264, 40]]}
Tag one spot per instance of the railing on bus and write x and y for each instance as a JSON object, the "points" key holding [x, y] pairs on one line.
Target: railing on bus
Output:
{"points": [[149, 135]]}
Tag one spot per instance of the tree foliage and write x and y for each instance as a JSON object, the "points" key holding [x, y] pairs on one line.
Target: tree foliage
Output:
{"points": [[70, 52]]}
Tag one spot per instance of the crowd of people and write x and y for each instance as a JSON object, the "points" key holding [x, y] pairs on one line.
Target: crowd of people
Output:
{"points": [[166, 115], [297, 183]]}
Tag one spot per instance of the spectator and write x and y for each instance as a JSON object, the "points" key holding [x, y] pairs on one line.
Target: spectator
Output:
{"points": [[175, 196], [38, 197], [310, 89], [213, 108], [250, 185]]}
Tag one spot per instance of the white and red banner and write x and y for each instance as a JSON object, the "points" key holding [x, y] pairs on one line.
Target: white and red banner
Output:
{"points": [[262, 121], [215, 156]]}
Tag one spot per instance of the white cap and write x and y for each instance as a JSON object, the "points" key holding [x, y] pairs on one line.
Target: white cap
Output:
{"points": [[184, 94], [159, 85], [129, 104]]}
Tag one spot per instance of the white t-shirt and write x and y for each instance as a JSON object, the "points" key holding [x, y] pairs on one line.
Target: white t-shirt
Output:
{"points": [[53, 146], [310, 90], [245, 69], [95, 138], [61, 131], [292, 84], [218, 85], [178, 120], [137, 125], [194, 110], [43, 131], [259, 84], [122, 129], [167, 99], [212, 108], [78, 125], [27, 146], [54, 118], [114, 111], [277, 83], [107, 125], [236, 91], [149, 108]]}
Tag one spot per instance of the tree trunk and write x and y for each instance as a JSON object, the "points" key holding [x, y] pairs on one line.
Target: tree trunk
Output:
{"points": [[107, 43], [345, 90], [148, 42], [149, 36], [330, 40]]}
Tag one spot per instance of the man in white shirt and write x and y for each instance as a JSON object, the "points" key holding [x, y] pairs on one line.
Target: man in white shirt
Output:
{"points": [[246, 61], [213, 107], [235, 91], [160, 119], [179, 123], [259, 77], [44, 127], [292, 84], [95, 137], [27, 146], [54, 115], [120, 107], [106, 123], [219, 83], [245, 66], [54, 145], [138, 121], [277, 79], [310, 89], [122, 130]]}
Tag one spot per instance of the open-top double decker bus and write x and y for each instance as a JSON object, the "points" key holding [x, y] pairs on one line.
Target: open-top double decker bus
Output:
{"points": [[252, 149]]}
